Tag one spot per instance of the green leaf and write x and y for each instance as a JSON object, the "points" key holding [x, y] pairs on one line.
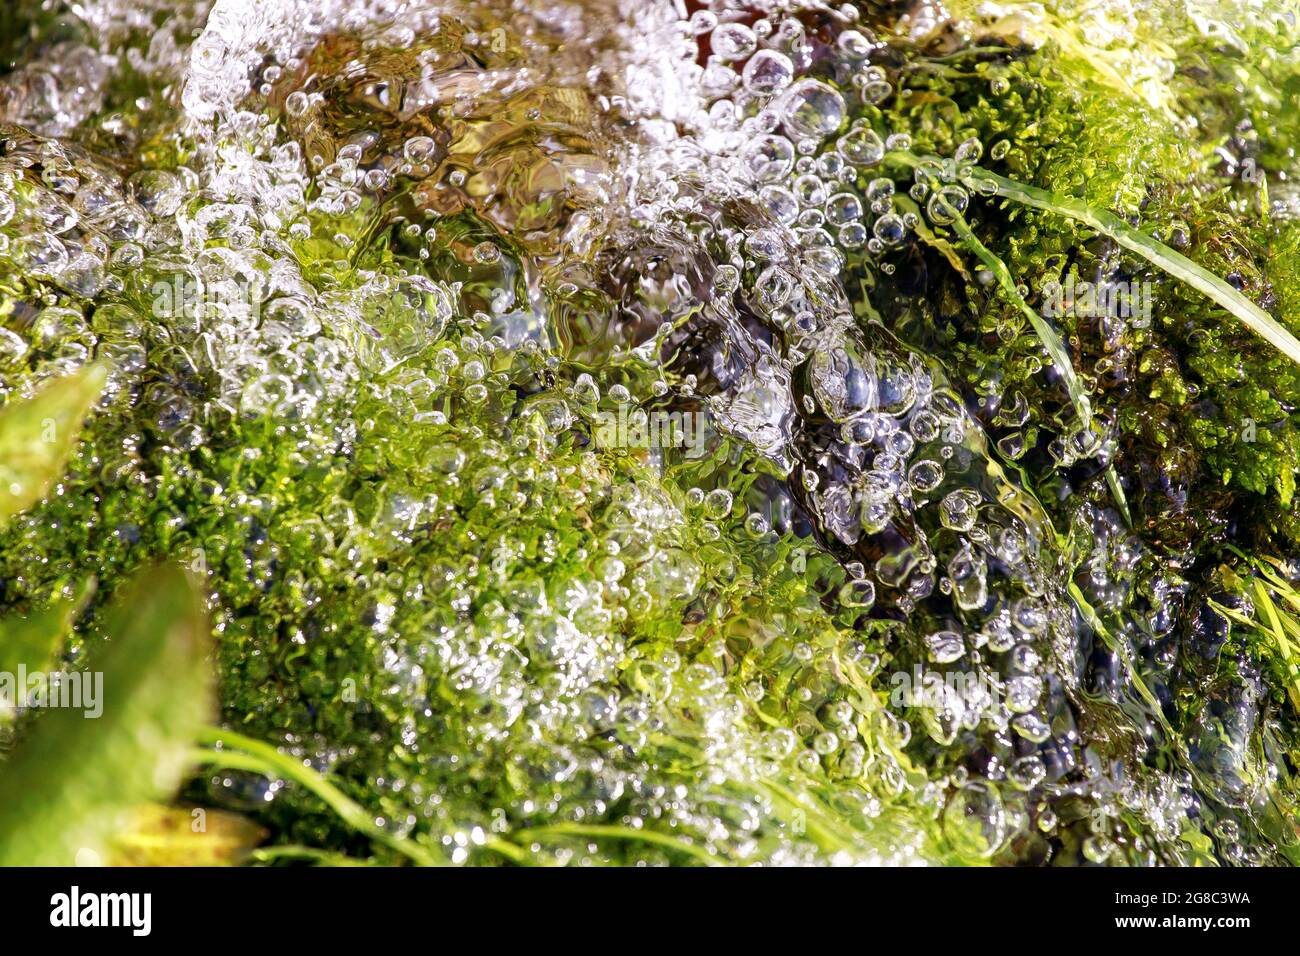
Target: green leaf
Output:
{"points": [[180, 836], [74, 779], [1286, 486], [37, 436], [33, 641]]}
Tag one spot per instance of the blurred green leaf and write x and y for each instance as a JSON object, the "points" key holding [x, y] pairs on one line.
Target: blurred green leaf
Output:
{"points": [[37, 435], [157, 835], [33, 641], [73, 781]]}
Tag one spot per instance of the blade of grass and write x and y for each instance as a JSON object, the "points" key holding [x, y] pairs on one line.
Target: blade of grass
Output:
{"points": [[1051, 341], [244, 753], [34, 640], [167, 836], [1264, 600], [1094, 621], [1178, 266]]}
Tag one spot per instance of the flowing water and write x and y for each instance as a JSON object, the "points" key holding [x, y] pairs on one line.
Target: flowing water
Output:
{"points": [[371, 276]]}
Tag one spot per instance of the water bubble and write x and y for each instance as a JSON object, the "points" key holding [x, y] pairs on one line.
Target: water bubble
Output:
{"points": [[975, 819], [944, 647], [296, 103], [1029, 615], [769, 158], [946, 205], [718, 503], [264, 394], [1025, 658], [890, 229], [853, 236], [732, 41], [875, 92], [1098, 849], [968, 573], [959, 509], [1023, 693], [826, 743], [843, 208], [702, 21], [40, 253], [969, 151], [810, 190], [925, 476], [860, 593], [418, 149], [158, 191], [841, 384], [12, 347], [861, 147], [811, 109], [767, 72], [1032, 727], [781, 204], [775, 286], [726, 280]]}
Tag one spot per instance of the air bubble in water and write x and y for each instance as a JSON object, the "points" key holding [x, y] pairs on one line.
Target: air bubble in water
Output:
{"points": [[959, 509], [861, 147], [890, 229], [813, 110], [732, 41], [945, 205], [769, 158], [767, 72], [944, 647]]}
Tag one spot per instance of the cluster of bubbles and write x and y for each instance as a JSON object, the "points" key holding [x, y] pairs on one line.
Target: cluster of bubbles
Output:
{"points": [[363, 309]]}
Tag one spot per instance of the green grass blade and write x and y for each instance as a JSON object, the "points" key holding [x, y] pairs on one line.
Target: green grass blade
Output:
{"points": [[239, 752], [1051, 341], [1178, 266]]}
